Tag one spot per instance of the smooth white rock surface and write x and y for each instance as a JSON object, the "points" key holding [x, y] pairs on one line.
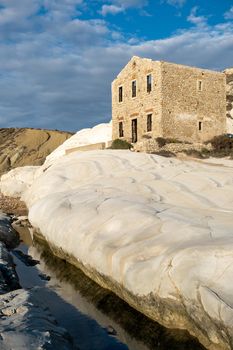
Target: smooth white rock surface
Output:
{"points": [[99, 133], [16, 181], [155, 225]]}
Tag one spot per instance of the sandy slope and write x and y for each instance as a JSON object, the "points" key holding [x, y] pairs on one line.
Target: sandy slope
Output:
{"points": [[157, 231], [21, 146]]}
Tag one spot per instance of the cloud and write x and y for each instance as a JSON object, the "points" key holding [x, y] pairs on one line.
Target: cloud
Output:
{"points": [[195, 19], [56, 69], [111, 9], [117, 6], [229, 14]]}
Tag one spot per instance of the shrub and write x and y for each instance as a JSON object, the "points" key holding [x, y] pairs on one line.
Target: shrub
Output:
{"points": [[120, 144], [161, 141], [222, 142], [222, 146]]}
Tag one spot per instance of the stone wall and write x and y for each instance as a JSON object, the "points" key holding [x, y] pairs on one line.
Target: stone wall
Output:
{"points": [[229, 94], [179, 107], [140, 106], [152, 146], [188, 107]]}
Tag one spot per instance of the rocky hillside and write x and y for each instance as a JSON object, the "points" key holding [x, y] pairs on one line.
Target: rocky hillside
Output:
{"points": [[21, 146]]}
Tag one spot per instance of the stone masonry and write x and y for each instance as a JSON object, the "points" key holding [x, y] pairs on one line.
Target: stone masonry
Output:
{"points": [[172, 101], [229, 80]]}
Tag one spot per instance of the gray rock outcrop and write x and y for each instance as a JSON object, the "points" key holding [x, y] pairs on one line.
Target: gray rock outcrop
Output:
{"points": [[26, 323]]}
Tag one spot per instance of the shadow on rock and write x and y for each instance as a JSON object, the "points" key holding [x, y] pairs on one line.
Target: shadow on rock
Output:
{"points": [[138, 326]]}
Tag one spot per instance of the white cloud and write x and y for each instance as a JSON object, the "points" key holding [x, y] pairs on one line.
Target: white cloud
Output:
{"points": [[116, 6], [56, 71], [111, 9], [229, 14], [62, 9], [195, 19]]}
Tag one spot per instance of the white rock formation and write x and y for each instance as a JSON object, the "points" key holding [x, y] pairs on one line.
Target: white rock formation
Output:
{"points": [[16, 181], [99, 133], [157, 231]]}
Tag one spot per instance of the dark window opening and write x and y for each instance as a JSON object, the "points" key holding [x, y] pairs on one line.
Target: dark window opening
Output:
{"points": [[199, 85], [120, 94], [134, 88], [149, 82], [200, 126], [149, 122], [134, 131], [121, 130]]}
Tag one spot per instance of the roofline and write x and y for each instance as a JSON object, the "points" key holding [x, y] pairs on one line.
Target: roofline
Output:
{"points": [[192, 67], [172, 63]]}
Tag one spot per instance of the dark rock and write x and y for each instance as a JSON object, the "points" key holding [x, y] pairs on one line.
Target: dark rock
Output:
{"points": [[25, 258], [8, 235], [8, 277]]}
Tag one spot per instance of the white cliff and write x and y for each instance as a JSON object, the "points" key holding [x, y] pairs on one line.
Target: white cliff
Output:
{"points": [[157, 231], [99, 133]]}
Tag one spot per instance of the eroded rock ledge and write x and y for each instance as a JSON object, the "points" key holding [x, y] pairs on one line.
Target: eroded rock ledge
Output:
{"points": [[156, 231], [212, 334]]}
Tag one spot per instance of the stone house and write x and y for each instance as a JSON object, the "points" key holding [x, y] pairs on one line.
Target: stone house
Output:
{"points": [[156, 98], [229, 81]]}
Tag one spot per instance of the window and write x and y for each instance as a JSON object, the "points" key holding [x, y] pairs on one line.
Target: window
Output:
{"points": [[199, 85], [121, 130], [149, 122], [120, 93], [149, 83], [134, 125], [200, 126], [134, 88]]}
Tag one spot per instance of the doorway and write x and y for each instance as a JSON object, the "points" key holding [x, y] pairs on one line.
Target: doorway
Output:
{"points": [[134, 130]]}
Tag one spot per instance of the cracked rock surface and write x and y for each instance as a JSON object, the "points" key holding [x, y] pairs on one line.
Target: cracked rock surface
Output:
{"points": [[156, 231]]}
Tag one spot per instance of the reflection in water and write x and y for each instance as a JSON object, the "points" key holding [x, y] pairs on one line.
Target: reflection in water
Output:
{"points": [[115, 316]]}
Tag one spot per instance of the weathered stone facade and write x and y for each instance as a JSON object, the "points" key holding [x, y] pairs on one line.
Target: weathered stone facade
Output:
{"points": [[172, 101], [229, 81]]}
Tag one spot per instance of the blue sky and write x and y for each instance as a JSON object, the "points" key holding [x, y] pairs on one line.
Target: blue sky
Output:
{"points": [[58, 57]]}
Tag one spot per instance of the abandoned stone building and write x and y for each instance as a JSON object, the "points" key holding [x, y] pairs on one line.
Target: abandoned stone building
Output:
{"points": [[229, 85], [156, 98]]}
